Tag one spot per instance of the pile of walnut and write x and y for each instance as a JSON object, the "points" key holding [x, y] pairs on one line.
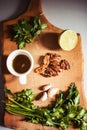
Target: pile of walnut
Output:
{"points": [[52, 65]]}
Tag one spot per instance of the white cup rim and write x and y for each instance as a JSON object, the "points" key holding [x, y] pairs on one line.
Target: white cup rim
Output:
{"points": [[12, 55]]}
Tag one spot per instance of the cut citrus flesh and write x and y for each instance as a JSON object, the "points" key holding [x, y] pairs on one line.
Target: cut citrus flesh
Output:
{"points": [[68, 40]]}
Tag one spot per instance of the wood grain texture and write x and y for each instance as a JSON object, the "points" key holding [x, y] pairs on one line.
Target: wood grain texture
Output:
{"points": [[46, 42]]}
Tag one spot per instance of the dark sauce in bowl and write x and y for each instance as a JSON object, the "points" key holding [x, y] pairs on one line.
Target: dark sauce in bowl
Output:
{"points": [[21, 63]]}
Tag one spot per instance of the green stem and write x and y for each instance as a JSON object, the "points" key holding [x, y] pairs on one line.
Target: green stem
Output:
{"points": [[21, 110], [19, 104]]}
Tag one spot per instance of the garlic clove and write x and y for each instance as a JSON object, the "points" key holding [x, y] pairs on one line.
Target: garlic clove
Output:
{"points": [[44, 96], [52, 92], [46, 87]]}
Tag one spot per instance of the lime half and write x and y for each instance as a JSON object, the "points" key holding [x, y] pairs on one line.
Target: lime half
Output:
{"points": [[68, 40]]}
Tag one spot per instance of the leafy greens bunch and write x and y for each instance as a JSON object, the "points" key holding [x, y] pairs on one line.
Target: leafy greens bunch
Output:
{"points": [[64, 112], [25, 31]]}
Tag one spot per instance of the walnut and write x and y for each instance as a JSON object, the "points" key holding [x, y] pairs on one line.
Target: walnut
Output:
{"points": [[52, 65], [50, 72], [64, 64], [40, 69], [46, 59]]}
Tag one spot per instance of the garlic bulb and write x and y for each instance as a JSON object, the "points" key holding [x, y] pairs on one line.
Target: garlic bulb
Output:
{"points": [[46, 87], [52, 92], [44, 96]]}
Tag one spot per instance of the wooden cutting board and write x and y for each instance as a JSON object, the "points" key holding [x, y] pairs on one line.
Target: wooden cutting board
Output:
{"points": [[44, 43]]}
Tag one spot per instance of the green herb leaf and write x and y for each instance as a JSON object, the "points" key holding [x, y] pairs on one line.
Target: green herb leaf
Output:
{"points": [[7, 91], [65, 112], [26, 30]]}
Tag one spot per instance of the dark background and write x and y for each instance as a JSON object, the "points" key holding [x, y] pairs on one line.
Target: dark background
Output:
{"points": [[12, 8]]}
